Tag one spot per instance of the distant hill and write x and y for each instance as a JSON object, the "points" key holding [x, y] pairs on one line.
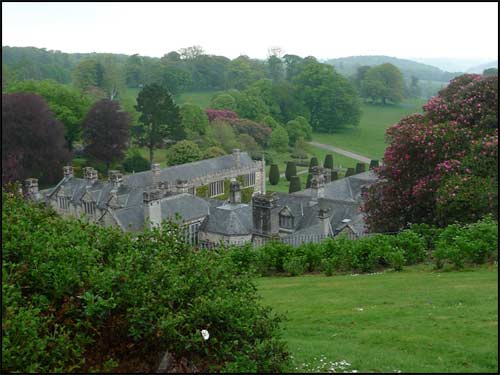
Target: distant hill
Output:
{"points": [[348, 65], [479, 68], [450, 64]]}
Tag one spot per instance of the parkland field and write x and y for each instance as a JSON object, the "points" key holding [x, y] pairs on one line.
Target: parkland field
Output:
{"points": [[417, 320]]}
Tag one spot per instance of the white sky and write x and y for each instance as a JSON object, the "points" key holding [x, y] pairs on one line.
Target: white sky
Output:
{"points": [[323, 30]]}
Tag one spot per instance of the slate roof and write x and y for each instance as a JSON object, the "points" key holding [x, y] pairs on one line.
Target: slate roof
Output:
{"points": [[190, 170], [229, 219], [345, 189], [188, 206]]}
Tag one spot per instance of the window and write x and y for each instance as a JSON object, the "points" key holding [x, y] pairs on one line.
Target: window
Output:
{"points": [[191, 233], [216, 188], [249, 180], [89, 207], [286, 221], [64, 203]]}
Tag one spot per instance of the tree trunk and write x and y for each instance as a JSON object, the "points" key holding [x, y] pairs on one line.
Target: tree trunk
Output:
{"points": [[151, 155]]}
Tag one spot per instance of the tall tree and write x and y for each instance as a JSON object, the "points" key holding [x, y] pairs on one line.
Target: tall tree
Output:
{"points": [[68, 104], [160, 117], [106, 132], [331, 100], [194, 120], [33, 143], [384, 82]]}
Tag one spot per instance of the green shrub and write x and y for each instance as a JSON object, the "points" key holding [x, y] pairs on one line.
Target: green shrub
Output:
{"points": [[350, 172], [329, 265], [373, 164], [135, 163], [473, 243], [412, 244], [294, 184], [274, 174], [428, 233], [360, 167], [397, 259], [295, 265], [328, 163], [82, 284], [291, 170]]}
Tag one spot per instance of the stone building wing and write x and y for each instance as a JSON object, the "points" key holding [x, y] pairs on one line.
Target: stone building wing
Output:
{"points": [[229, 220]]}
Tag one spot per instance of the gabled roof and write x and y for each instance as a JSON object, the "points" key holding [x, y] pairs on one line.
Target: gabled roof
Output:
{"points": [[187, 206], [229, 219], [189, 171]]}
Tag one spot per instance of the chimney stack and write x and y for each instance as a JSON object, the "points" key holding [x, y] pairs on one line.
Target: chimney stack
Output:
{"points": [[115, 177], [182, 186], [155, 169], [152, 207], [324, 220], [31, 188], [265, 215], [90, 174], [68, 171], [236, 156], [234, 192], [317, 184]]}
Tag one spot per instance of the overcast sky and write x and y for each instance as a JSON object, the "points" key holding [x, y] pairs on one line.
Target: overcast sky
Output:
{"points": [[324, 30]]}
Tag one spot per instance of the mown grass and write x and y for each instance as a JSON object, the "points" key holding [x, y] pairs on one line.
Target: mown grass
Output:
{"points": [[201, 99], [417, 320], [368, 139]]}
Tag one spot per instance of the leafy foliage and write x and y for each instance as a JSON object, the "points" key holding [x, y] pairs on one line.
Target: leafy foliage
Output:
{"points": [[106, 131], [33, 143], [68, 104], [183, 152], [160, 117], [442, 164], [78, 296]]}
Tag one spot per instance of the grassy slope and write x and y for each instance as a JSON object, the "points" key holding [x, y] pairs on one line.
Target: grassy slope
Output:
{"points": [[413, 321], [368, 138]]}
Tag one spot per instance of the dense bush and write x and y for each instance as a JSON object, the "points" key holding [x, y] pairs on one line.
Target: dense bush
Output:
{"points": [[81, 297], [135, 163], [474, 244], [441, 167], [469, 244]]}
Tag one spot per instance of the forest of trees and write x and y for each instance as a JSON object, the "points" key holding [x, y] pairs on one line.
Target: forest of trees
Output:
{"points": [[267, 106]]}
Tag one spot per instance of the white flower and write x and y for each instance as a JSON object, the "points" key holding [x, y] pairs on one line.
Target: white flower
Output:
{"points": [[359, 308], [205, 334]]}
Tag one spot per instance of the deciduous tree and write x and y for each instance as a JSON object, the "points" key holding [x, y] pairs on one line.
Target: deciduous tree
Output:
{"points": [[33, 143], [106, 131]]}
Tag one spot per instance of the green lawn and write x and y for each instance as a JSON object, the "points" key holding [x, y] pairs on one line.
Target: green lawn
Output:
{"points": [[199, 98], [368, 139], [417, 320]]}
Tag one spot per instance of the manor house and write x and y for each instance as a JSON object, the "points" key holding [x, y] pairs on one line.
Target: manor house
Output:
{"points": [[217, 200]]}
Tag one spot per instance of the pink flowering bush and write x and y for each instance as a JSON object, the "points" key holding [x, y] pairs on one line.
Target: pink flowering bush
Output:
{"points": [[220, 114], [441, 166]]}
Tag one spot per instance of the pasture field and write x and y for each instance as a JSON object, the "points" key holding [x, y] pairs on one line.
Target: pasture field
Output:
{"points": [[368, 139], [417, 320]]}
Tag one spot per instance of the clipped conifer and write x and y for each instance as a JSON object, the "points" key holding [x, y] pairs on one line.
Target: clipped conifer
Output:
{"points": [[294, 184], [335, 176], [373, 164], [350, 172], [313, 162], [274, 174], [360, 168], [291, 170], [328, 161]]}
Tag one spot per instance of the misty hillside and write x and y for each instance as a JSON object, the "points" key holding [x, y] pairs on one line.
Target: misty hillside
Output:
{"points": [[482, 67], [348, 65]]}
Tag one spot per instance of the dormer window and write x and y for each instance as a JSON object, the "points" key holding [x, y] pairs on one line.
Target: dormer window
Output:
{"points": [[89, 207], [63, 202], [286, 219]]}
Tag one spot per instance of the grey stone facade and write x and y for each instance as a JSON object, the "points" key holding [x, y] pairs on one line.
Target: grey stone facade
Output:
{"points": [[143, 200]]}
